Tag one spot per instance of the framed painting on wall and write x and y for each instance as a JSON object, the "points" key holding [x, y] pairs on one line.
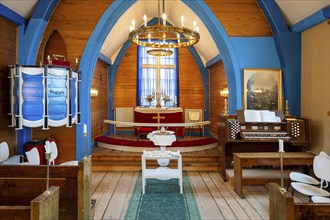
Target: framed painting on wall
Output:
{"points": [[263, 89]]}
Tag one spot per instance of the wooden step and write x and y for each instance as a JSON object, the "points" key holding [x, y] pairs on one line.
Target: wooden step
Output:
{"points": [[111, 160]]}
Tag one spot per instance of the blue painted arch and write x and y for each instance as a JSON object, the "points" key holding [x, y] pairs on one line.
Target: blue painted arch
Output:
{"points": [[103, 28]]}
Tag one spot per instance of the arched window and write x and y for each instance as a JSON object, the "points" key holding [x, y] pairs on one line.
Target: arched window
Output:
{"points": [[157, 74]]}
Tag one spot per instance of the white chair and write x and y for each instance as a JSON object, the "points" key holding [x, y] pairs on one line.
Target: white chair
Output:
{"points": [[319, 199], [33, 156], [194, 115], [303, 178], [54, 153], [4, 151], [321, 167]]}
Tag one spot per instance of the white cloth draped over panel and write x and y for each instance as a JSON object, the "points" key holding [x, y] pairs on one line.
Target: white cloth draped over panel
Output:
{"points": [[193, 115], [125, 115]]}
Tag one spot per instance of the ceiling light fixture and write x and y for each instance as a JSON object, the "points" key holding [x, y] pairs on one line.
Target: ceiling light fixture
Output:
{"points": [[163, 37]]}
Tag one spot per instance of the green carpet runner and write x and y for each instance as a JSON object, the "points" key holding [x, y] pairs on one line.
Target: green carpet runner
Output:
{"points": [[163, 200]]}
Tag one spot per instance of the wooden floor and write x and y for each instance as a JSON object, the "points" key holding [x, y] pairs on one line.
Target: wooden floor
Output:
{"points": [[215, 198]]}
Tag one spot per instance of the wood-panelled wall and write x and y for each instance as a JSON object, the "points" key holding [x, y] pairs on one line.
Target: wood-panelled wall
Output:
{"points": [[65, 140], [74, 20], [99, 104], [218, 82], [124, 92], [8, 55], [240, 17], [191, 84]]}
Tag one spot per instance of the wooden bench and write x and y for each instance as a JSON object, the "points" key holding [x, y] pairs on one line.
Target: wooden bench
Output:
{"points": [[45, 206], [21, 184], [260, 159], [282, 206]]}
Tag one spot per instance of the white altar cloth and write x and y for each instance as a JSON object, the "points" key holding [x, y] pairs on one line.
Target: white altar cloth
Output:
{"points": [[157, 110]]}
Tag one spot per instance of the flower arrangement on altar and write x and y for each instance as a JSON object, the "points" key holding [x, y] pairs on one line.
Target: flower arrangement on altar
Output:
{"points": [[166, 99], [149, 99]]}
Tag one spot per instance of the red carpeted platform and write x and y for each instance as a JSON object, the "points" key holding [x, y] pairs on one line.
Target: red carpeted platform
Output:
{"points": [[129, 144]]}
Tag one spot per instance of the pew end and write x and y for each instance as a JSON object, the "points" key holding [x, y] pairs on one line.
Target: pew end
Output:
{"points": [[44, 206], [282, 206], [22, 184]]}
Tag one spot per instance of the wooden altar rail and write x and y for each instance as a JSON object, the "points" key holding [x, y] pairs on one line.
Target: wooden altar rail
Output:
{"points": [[45, 206], [20, 184], [138, 124], [282, 206]]}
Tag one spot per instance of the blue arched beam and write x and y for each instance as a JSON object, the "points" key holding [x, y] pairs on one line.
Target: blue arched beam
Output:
{"points": [[288, 45], [273, 15], [87, 66], [11, 16], [29, 38], [214, 60], [226, 49], [314, 19]]}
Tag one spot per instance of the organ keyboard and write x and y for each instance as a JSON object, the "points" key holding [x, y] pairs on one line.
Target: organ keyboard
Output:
{"points": [[264, 136], [236, 135]]}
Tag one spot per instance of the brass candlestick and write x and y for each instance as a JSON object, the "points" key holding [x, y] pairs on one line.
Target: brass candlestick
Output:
{"points": [[47, 157], [225, 108], [281, 154], [287, 112], [224, 93], [85, 136]]}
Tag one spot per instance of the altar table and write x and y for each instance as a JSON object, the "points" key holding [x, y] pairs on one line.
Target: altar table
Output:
{"points": [[158, 115]]}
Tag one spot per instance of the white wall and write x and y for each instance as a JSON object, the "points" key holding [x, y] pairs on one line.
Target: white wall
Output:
{"points": [[316, 84]]}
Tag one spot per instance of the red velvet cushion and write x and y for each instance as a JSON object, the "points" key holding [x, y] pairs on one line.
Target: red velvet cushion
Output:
{"points": [[147, 143]]}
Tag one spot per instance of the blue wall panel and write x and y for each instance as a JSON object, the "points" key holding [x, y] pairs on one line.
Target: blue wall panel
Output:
{"points": [[256, 52], [57, 93], [32, 92]]}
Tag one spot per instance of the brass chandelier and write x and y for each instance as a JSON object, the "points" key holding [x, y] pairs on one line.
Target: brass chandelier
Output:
{"points": [[160, 38]]}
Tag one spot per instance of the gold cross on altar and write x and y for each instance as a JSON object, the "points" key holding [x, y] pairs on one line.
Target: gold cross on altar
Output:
{"points": [[158, 117]]}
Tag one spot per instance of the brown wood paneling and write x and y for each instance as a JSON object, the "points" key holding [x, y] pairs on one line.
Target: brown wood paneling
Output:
{"points": [[65, 140], [240, 17], [124, 92], [74, 20], [99, 104], [218, 81], [55, 45], [8, 55], [191, 82]]}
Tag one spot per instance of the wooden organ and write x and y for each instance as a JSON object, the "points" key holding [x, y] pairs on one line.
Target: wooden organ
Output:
{"points": [[237, 135]]}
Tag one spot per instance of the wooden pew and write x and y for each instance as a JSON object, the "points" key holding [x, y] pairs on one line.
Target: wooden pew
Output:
{"points": [[282, 206], [21, 184], [45, 206]]}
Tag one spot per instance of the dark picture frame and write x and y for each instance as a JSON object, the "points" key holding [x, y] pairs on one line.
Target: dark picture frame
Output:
{"points": [[262, 89]]}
